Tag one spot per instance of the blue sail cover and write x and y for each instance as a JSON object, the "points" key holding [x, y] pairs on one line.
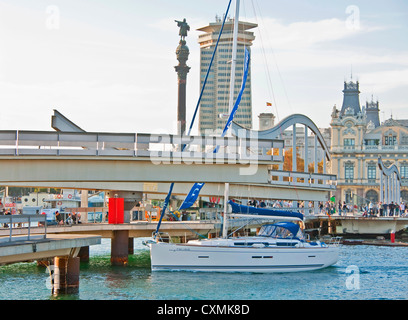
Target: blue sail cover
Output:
{"points": [[241, 92], [237, 208], [195, 190], [192, 196], [166, 203], [273, 230]]}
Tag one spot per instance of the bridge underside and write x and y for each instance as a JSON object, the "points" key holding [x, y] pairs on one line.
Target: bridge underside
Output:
{"points": [[147, 177], [160, 190], [99, 170]]}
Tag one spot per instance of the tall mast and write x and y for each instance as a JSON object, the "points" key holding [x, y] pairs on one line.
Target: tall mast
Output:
{"points": [[230, 106], [234, 58]]}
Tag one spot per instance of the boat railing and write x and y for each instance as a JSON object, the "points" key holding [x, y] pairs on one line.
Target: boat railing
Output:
{"points": [[162, 237], [335, 241]]}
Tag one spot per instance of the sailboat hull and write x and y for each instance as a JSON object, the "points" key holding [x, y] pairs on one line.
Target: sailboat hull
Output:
{"points": [[185, 257]]}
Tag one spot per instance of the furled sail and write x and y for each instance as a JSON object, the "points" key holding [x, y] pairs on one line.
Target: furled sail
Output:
{"points": [[241, 209]]}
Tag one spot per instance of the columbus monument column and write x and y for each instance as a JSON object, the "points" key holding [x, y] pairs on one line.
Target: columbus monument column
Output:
{"points": [[182, 69]]}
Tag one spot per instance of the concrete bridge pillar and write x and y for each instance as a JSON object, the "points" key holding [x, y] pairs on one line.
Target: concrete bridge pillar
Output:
{"points": [[120, 248], [130, 200], [84, 254], [66, 275], [131, 246]]}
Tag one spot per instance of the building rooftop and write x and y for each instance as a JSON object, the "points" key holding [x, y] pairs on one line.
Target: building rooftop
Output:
{"points": [[229, 25]]}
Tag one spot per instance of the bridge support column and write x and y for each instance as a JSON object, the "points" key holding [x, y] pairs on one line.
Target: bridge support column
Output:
{"points": [[131, 246], [120, 248], [84, 254], [66, 275]]}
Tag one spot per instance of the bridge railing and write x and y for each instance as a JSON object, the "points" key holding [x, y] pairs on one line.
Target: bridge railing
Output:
{"points": [[50, 143], [302, 179], [23, 221]]}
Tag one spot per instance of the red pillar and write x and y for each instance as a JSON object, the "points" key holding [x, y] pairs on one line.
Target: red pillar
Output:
{"points": [[392, 237], [116, 211]]}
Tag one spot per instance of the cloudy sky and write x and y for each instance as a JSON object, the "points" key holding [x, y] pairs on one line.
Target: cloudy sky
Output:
{"points": [[109, 65]]}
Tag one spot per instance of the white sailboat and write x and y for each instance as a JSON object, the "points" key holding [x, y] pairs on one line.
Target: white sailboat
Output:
{"points": [[278, 247]]}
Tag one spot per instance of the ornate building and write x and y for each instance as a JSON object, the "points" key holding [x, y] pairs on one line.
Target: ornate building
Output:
{"points": [[358, 139]]}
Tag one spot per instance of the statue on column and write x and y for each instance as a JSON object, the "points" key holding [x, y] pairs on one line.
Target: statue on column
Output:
{"points": [[184, 27], [182, 53]]}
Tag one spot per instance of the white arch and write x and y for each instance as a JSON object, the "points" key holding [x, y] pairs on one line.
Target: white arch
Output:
{"points": [[388, 171], [273, 133], [390, 183]]}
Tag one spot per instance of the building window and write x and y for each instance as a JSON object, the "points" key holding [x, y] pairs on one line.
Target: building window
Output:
{"points": [[371, 172], [390, 140], [348, 196], [404, 171], [372, 196], [404, 195], [349, 142], [349, 172], [372, 142]]}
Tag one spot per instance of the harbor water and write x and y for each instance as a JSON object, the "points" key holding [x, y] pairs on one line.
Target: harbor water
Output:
{"points": [[362, 273]]}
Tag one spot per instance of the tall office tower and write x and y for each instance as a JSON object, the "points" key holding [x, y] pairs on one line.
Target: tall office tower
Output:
{"points": [[215, 99]]}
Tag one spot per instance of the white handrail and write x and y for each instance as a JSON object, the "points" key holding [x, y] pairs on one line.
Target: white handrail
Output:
{"points": [[49, 143]]}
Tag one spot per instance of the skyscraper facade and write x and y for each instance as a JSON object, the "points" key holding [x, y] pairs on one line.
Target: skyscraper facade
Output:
{"points": [[215, 99]]}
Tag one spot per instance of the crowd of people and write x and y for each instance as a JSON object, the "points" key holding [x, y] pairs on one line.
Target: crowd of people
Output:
{"points": [[60, 219], [369, 209], [71, 218], [382, 209], [273, 203]]}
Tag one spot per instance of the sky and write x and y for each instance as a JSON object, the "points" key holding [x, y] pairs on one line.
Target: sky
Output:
{"points": [[108, 66]]}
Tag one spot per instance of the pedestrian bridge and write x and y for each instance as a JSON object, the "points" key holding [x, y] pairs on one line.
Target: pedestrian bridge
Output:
{"points": [[150, 162]]}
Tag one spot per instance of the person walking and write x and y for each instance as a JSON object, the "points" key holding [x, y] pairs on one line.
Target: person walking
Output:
{"points": [[392, 208], [69, 219], [58, 218], [371, 208], [402, 208]]}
